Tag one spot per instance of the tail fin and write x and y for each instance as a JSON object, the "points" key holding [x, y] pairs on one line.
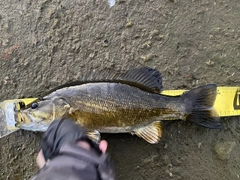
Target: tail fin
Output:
{"points": [[199, 106]]}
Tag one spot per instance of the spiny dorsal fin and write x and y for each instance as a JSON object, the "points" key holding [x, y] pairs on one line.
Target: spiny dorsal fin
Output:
{"points": [[145, 78], [151, 133]]}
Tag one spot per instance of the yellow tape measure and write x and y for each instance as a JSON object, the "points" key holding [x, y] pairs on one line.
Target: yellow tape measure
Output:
{"points": [[227, 102]]}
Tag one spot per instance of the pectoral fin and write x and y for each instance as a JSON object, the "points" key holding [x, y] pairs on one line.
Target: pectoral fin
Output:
{"points": [[152, 133], [95, 136]]}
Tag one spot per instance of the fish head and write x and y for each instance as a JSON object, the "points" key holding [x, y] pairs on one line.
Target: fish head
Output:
{"points": [[38, 115]]}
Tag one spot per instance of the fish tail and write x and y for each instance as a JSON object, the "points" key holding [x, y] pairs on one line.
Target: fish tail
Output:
{"points": [[199, 106]]}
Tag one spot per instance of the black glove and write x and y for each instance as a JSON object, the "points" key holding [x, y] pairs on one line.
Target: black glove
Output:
{"points": [[105, 168], [67, 131], [60, 132]]}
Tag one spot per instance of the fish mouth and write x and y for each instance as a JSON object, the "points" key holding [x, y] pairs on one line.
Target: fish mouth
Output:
{"points": [[22, 118], [27, 121]]}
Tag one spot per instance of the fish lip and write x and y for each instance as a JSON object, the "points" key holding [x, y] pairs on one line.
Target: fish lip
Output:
{"points": [[27, 121], [23, 118], [16, 117]]}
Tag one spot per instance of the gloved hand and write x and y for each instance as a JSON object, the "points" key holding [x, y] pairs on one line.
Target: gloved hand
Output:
{"points": [[60, 132], [67, 131]]}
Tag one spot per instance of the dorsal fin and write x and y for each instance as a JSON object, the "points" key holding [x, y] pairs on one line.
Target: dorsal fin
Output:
{"points": [[145, 78]]}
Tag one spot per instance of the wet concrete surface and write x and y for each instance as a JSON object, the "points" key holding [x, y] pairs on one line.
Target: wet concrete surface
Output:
{"points": [[47, 43]]}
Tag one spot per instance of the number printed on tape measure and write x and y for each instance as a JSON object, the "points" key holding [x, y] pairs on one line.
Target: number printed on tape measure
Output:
{"points": [[236, 102]]}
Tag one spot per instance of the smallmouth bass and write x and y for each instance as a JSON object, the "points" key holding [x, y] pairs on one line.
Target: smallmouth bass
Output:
{"points": [[125, 103]]}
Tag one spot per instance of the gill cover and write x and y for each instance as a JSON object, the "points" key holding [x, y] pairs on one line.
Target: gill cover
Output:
{"points": [[50, 109]]}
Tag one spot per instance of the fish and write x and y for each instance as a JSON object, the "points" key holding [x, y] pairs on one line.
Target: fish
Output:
{"points": [[129, 102]]}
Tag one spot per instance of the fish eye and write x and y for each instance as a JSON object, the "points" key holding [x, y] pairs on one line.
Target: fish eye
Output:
{"points": [[34, 105]]}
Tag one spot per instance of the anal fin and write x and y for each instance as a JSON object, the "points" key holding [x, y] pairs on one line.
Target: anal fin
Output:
{"points": [[151, 133]]}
